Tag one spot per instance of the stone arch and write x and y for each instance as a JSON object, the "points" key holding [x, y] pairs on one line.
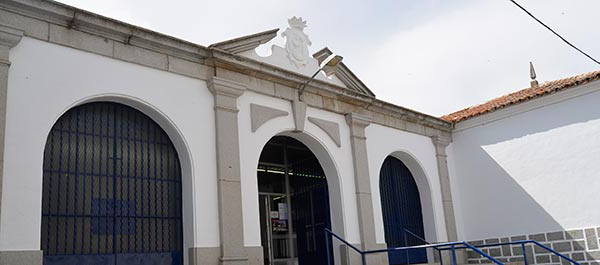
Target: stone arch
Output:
{"points": [[425, 191], [179, 142], [333, 178], [331, 173]]}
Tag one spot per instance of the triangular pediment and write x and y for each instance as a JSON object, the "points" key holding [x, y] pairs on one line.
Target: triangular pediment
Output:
{"points": [[294, 56]]}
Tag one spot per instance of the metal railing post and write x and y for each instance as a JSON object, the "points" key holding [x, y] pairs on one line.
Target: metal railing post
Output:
{"points": [[453, 255], [406, 245], [364, 259], [555, 253], [524, 253], [440, 255], [327, 237]]}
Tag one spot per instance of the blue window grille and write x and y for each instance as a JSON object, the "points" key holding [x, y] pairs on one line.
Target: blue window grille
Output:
{"points": [[111, 190]]}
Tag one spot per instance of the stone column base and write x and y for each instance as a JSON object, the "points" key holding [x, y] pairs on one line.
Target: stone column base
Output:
{"points": [[461, 256], [212, 256], [21, 257], [351, 257]]}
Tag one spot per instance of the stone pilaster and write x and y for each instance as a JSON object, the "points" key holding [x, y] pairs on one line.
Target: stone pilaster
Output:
{"points": [[364, 200], [9, 37], [228, 170], [440, 143]]}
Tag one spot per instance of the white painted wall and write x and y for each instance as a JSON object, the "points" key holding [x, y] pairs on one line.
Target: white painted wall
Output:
{"points": [[530, 168], [418, 154], [45, 80]]}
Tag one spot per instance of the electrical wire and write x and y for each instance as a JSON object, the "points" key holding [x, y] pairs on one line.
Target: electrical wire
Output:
{"points": [[551, 30]]}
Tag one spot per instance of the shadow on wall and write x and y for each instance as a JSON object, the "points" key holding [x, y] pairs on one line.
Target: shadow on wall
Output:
{"points": [[533, 176]]}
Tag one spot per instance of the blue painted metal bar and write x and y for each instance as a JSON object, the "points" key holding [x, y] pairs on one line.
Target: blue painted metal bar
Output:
{"points": [[327, 247], [426, 242], [453, 255], [341, 239], [476, 249], [452, 246], [406, 244], [519, 243], [524, 253], [554, 252]]}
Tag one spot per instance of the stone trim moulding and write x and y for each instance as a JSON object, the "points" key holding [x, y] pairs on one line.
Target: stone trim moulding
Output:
{"points": [[231, 231], [330, 128], [299, 112], [64, 25], [364, 198], [9, 37], [211, 255], [246, 43], [260, 114], [581, 245], [21, 257]]}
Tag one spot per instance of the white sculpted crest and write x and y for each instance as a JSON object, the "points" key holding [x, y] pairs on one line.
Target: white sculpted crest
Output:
{"points": [[297, 42]]}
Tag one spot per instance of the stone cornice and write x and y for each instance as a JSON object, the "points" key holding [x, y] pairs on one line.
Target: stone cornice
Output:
{"points": [[251, 67], [226, 93], [440, 143], [9, 37], [357, 123], [355, 119], [123, 41], [246, 43], [222, 59], [88, 22]]}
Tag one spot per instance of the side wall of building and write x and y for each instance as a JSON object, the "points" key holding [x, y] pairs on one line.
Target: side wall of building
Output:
{"points": [[531, 171]]}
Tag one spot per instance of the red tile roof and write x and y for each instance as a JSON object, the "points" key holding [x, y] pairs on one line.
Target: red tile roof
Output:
{"points": [[523, 95]]}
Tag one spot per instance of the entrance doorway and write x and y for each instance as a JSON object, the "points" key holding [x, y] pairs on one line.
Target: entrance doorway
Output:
{"points": [[294, 204], [402, 214]]}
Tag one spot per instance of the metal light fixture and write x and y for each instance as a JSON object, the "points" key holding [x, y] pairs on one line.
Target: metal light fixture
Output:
{"points": [[329, 66]]}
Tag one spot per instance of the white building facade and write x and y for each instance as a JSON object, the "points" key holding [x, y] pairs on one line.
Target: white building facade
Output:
{"points": [[116, 138]]}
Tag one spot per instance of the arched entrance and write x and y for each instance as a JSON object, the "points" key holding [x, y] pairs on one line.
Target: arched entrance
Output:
{"points": [[111, 189], [402, 212], [293, 203]]}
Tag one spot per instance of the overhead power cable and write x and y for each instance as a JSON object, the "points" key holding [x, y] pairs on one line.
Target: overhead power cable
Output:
{"points": [[551, 30]]}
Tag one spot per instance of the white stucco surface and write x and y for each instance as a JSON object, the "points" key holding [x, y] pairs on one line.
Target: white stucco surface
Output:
{"points": [[45, 80], [418, 154], [533, 170]]}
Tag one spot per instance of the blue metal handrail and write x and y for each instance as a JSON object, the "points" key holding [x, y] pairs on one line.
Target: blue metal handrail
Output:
{"points": [[406, 231], [452, 246], [523, 243]]}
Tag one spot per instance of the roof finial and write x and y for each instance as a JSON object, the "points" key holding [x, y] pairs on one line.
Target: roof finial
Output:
{"points": [[534, 83]]}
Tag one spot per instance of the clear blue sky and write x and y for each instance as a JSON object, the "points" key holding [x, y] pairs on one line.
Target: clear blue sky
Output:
{"points": [[433, 56]]}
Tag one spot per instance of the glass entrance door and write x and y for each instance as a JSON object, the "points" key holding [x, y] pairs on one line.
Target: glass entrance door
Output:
{"points": [[294, 204], [278, 238]]}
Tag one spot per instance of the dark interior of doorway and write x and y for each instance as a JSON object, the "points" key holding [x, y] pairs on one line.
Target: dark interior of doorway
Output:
{"points": [[290, 174]]}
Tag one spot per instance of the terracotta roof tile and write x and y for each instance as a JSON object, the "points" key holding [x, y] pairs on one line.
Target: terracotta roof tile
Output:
{"points": [[526, 94]]}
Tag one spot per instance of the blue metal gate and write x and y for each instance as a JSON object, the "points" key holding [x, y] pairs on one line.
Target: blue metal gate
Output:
{"points": [[111, 190], [401, 207], [310, 201]]}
